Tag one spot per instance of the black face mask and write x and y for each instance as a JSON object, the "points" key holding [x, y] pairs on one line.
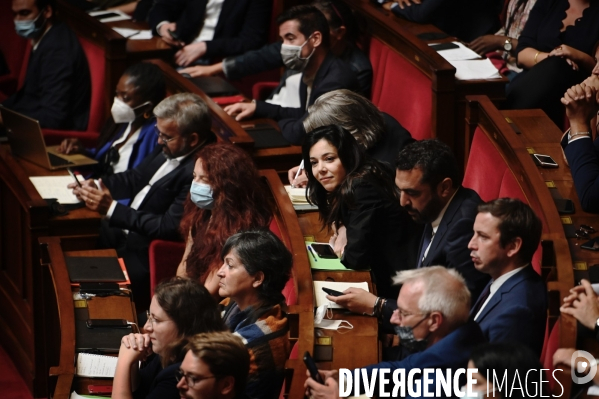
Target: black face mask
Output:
{"points": [[407, 340]]}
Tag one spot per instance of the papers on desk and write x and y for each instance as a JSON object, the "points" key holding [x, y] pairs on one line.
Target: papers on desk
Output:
{"points": [[458, 54], [475, 69], [55, 187], [89, 365], [75, 395], [109, 16], [133, 34], [298, 199], [321, 296]]}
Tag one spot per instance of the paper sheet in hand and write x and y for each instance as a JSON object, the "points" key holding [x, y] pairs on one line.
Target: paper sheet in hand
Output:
{"points": [[475, 69], [55, 187], [321, 296], [89, 365], [133, 34], [458, 54]]}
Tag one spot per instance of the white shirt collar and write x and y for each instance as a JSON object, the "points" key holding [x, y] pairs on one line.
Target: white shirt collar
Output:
{"points": [[435, 223]]}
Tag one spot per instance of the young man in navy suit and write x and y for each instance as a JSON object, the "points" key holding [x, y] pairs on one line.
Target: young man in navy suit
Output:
{"points": [[513, 306], [158, 187]]}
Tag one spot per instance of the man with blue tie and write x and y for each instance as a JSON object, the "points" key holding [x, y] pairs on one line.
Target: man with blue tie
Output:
{"points": [[513, 306]]}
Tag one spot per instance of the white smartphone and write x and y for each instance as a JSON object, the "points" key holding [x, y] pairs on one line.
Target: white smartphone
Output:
{"points": [[545, 161]]}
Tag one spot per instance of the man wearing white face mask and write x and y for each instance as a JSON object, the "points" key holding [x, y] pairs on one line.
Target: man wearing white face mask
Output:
{"points": [[57, 86], [305, 34], [431, 320]]}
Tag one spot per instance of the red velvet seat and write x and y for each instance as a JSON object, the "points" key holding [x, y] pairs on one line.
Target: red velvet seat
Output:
{"points": [[97, 65]]}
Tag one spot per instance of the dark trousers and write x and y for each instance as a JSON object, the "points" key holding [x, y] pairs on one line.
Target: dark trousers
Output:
{"points": [[134, 251], [543, 86]]}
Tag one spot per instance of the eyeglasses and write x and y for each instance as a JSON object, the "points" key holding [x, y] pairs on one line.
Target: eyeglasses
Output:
{"points": [[584, 231], [190, 379], [152, 320], [161, 135], [404, 313]]}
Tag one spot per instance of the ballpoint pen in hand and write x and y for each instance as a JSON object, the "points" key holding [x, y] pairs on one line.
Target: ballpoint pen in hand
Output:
{"points": [[299, 170]]}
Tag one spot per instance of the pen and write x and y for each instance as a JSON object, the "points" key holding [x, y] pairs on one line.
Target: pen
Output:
{"points": [[299, 170], [74, 177], [312, 252]]}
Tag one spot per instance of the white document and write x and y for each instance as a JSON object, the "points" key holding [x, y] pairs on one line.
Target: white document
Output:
{"points": [[110, 15], [133, 34], [55, 187], [475, 69], [298, 198], [321, 296], [458, 54], [593, 390], [89, 365]]}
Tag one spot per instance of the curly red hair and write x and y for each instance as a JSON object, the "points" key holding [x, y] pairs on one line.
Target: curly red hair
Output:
{"points": [[240, 203]]}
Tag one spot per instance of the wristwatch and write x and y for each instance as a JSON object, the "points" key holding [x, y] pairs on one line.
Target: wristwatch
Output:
{"points": [[507, 45], [597, 329]]}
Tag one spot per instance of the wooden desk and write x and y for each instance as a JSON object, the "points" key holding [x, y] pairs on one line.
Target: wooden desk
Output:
{"points": [[59, 307], [346, 354], [228, 129], [24, 217], [448, 94]]}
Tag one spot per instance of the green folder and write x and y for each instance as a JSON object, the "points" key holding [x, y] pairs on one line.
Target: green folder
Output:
{"points": [[318, 263]]}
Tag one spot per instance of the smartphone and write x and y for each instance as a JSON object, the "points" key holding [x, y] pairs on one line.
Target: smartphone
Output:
{"points": [[332, 292], [309, 362], [107, 15], [74, 177], [107, 323], [564, 206], [324, 251], [444, 46], [173, 34], [592, 245], [545, 161], [594, 274], [99, 389]]}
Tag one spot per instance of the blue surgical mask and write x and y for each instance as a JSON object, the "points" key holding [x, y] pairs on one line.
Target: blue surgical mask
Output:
{"points": [[30, 29], [201, 195]]}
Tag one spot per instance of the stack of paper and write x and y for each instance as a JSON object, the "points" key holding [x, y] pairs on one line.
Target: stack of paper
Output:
{"points": [[109, 15], [133, 34], [458, 54], [298, 198], [475, 69], [90, 365], [321, 296], [55, 187]]}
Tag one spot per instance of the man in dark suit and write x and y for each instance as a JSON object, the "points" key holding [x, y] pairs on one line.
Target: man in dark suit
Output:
{"points": [[513, 306], [427, 177], [57, 87], [305, 34], [211, 29], [159, 187], [432, 320]]}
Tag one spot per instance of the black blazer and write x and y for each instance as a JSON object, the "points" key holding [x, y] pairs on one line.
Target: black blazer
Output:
{"points": [[57, 87], [333, 74], [242, 25], [395, 139], [159, 214]]}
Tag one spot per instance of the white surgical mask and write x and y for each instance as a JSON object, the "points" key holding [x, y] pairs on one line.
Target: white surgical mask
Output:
{"points": [[292, 58], [321, 322], [122, 112], [201, 195]]}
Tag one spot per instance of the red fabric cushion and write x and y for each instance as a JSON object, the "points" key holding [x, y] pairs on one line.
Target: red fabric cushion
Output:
{"points": [[164, 256], [485, 168], [401, 90], [96, 60], [261, 90]]}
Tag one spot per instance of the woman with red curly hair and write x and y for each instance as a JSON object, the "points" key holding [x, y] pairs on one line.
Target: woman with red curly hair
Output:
{"points": [[226, 196]]}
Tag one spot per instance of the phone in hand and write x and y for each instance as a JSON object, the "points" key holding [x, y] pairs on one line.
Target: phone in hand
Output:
{"points": [[107, 323], [324, 251], [173, 34], [332, 292], [309, 362]]}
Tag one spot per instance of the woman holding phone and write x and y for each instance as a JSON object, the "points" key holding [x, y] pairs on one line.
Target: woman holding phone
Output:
{"points": [[358, 201]]}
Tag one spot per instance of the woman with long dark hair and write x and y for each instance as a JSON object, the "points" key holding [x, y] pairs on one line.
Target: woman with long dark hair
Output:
{"points": [[179, 309], [226, 196], [357, 199]]}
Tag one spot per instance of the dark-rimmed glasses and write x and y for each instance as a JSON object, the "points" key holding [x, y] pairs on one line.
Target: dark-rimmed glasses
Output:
{"points": [[191, 380], [161, 135]]}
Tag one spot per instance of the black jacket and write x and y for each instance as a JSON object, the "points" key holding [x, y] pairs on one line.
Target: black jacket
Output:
{"points": [[57, 87], [242, 24]]}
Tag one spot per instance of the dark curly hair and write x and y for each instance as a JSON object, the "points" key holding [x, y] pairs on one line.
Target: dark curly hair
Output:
{"points": [[262, 251], [434, 158], [240, 203], [358, 167]]}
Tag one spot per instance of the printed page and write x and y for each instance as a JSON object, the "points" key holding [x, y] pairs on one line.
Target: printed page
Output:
{"points": [[89, 365], [321, 296]]}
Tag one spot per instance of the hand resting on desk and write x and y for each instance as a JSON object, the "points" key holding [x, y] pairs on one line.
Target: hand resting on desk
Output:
{"points": [[241, 110]]}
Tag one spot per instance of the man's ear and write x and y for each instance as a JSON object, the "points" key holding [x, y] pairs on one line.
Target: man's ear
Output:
{"points": [[316, 39], [194, 139], [48, 12], [445, 188], [513, 247], [258, 279], [340, 33], [436, 320], [226, 385]]}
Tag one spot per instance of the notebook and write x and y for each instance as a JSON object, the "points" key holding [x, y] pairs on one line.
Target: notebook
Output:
{"points": [[88, 269], [27, 141]]}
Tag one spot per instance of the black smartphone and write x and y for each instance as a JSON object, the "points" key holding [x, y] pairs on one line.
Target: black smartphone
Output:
{"points": [[332, 292], [544, 161], [324, 251], [107, 15], [173, 34], [309, 362], [74, 177], [444, 46], [594, 274], [592, 245], [95, 288], [432, 36], [107, 323], [564, 206]]}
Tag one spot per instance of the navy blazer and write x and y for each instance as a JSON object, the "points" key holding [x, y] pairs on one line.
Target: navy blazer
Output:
{"points": [[242, 24], [451, 352], [583, 158], [160, 212], [156, 382], [517, 312], [333, 74]]}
